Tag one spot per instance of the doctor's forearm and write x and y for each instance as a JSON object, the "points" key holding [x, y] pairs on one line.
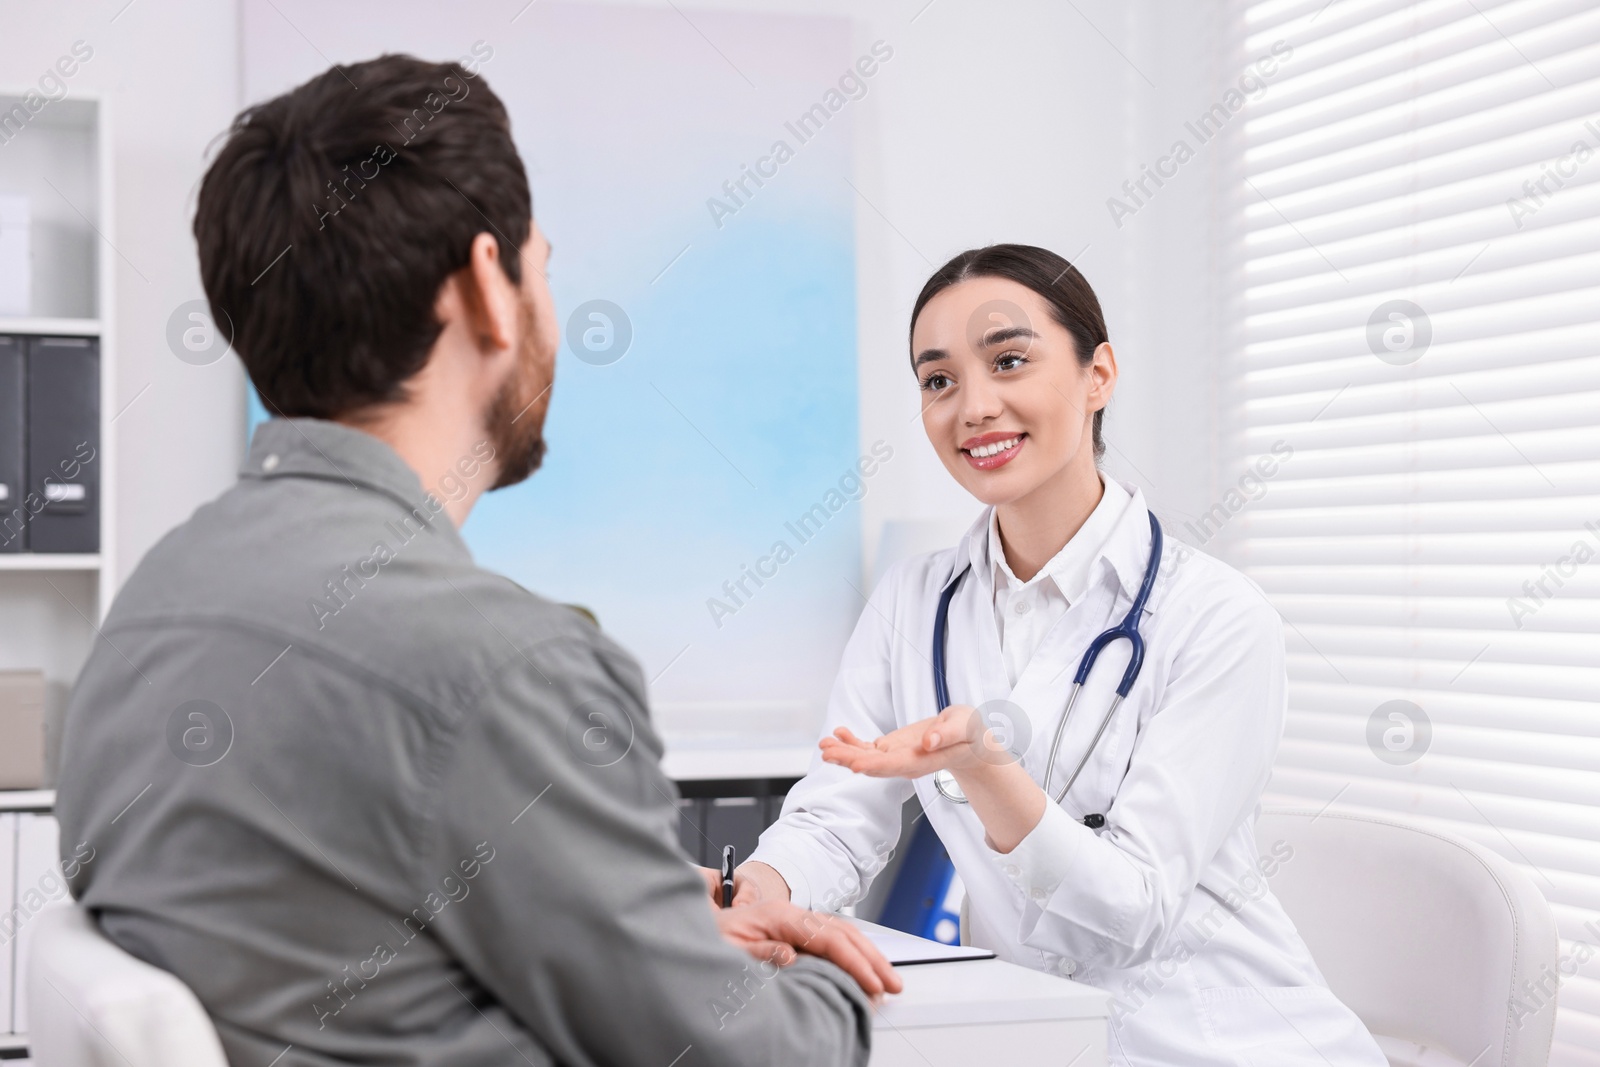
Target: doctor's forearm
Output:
{"points": [[1006, 800]]}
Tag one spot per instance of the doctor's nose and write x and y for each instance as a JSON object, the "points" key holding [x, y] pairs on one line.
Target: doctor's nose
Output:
{"points": [[980, 402]]}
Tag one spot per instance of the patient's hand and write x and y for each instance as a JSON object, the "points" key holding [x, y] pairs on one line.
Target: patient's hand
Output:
{"points": [[955, 739], [774, 931]]}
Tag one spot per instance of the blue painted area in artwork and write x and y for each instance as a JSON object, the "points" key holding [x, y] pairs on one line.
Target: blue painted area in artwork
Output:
{"points": [[255, 413], [732, 414]]}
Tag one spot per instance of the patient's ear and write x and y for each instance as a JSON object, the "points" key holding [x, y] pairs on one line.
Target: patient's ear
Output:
{"points": [[481, 297]]}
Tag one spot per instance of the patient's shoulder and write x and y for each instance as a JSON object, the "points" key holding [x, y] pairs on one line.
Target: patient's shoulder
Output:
{"points": [[490, 621]]}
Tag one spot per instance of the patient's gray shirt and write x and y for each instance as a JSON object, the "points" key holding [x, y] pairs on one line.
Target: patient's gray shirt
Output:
{"points": [[375, 804]]}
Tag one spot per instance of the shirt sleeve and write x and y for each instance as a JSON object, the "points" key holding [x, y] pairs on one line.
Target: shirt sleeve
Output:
{"points": [[838, 829], [1196, 773], [578, 915]]}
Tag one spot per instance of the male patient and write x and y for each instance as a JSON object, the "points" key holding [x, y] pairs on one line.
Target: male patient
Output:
{"points": [[372, 803]]}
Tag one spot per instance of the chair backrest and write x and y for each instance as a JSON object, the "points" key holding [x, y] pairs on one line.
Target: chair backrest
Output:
{"points": [[1439, 944], [91, 1004]]}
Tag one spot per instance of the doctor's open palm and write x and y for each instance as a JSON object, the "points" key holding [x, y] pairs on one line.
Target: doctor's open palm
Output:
{"points": [[956, 739], [1005, 799]]}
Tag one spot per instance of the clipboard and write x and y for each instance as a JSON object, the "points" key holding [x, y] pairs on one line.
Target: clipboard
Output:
{"points": [[906, 950]]}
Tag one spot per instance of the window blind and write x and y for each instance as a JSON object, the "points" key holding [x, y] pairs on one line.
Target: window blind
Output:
{"points": [[1412, 211]]}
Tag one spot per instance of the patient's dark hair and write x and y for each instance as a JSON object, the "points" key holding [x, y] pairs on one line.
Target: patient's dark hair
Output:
{"points": [[1059, 284], [333, 214]]}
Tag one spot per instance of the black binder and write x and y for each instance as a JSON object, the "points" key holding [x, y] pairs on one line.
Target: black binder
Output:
{"points": [[63, 419], [13, 441]]}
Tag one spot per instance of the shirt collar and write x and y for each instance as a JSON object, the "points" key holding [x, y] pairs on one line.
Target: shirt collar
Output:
{"points": [[331, 451], [1069, 568], [1123, 546]]}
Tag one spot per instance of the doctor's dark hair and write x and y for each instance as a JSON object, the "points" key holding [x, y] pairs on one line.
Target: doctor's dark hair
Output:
{"points": [[332, 215], [1059, 284]]}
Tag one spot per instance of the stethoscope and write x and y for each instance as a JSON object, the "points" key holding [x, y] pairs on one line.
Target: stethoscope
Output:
{"points": [[1128, 629]]}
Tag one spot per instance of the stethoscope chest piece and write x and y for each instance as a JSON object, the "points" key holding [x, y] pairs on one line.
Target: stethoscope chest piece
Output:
{"points": [[945, 783]]}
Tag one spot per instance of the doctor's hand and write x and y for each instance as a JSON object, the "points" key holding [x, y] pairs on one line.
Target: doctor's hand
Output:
{"points": [[753, 881], [774, 931], [956, 739], [1005, 798]]}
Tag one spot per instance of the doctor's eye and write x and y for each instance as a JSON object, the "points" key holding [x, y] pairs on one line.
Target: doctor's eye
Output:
{"points": [[936, 382], [1010, 360]]}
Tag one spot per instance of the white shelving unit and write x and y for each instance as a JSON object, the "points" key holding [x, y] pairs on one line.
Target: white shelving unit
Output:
{"points": [[51, 561], [54, 327], [61, 160], [52, 604], [27, 799]]}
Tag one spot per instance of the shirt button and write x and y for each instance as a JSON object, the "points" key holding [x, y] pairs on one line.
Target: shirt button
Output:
{"points": [[1036, 895], [1022, 607], [271, 462], [1066, 967], [1012, 869]]}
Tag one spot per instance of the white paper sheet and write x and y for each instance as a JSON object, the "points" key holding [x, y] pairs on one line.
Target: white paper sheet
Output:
{"points": [[904, 949]]}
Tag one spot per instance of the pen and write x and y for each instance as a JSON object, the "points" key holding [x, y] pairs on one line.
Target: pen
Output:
{"points": [[727, 876]]}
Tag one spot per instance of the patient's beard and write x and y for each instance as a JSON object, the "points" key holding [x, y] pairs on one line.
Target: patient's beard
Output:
{"points": [[515, 419]]}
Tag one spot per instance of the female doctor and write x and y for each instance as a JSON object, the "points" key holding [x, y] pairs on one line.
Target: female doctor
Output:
{"points": [[1144, 878]]}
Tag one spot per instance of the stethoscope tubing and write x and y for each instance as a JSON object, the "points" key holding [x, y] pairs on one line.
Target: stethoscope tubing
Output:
{"points": [[1127, 629]]}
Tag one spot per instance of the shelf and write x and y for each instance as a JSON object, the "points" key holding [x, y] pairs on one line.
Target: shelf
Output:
{"points": [[51, 327], [49, 561], [27, 799]]}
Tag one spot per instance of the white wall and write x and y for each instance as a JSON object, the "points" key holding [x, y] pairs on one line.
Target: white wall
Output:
{"points": [[1003, 120], [1170, 316]]}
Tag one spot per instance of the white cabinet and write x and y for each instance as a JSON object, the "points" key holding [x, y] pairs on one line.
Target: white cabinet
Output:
{"points": [[8, 918], [31, 882], [41, 885]]}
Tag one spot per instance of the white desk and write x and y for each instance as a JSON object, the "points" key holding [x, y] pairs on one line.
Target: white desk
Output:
{"points": [[989, 1012]]}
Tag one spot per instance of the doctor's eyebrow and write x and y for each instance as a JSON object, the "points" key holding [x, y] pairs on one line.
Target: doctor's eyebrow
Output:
{"points": [[929, 355], [1001, 335]]}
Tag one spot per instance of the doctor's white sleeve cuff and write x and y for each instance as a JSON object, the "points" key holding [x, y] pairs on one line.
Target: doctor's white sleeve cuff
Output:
{"points": [[1042, 860], [785, 855]]}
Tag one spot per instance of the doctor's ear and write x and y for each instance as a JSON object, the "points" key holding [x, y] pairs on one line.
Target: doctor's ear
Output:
{"points": [[1103, 372]]}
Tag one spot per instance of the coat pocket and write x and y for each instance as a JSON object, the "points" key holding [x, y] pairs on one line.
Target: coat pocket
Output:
{"points": [[1285, 1026]]}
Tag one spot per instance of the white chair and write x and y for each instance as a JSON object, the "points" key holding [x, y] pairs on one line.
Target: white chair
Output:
{"points": [[1445, 950], [90, 1004], [1434, 941]]}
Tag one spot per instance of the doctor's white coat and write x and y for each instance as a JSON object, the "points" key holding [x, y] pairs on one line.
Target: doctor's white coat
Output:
{"points": [[1168, 907]]}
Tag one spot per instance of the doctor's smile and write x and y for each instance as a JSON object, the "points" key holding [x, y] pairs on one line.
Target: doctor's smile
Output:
{"points": [[988, 451]]}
